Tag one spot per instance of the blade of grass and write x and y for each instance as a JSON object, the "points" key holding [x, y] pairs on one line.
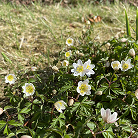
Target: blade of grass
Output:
{"points": [[137, 25], [6, 58], [127, 25]]}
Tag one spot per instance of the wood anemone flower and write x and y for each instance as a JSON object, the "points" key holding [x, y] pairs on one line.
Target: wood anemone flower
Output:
{"points": [[108, 117]]}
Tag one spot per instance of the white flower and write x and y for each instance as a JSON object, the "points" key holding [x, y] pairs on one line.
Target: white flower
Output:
{"points": [[79, 69], [26, 136], [28, 89], [125, 65], [89, 66], [132, 52], [10, 79], [115, 65], [83, 88], [69, 41], [65, 63], [60, 105], [33, 68], [136, 93], [68, 54], [1, 111], [55, 68], [107, 117]]}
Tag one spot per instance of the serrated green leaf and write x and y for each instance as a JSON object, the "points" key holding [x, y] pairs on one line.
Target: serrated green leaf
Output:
{"points": [[10, 135], [14, 123], [65, 88], [6, 130], [2, 122], [2, 126], [20, 118], [25, 110], [133, 113], [56, 130], [8, 107], [109, 133]]}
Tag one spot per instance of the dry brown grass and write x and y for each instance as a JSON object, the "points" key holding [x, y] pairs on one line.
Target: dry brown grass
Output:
{"points": [[28, 34]]}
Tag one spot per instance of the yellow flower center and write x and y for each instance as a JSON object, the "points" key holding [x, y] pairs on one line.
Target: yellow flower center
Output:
{"points": [[64, 63], [83, 88], [125, 66], [115, 65], [29, 89], [67, 54], [10, 78], [88, 67], [60, 103], [79, 68], [69, 41]]}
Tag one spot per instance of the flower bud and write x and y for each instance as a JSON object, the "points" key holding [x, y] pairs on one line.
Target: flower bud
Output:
{"points": [[132, 52], [107, 64], [108, 44], [123, 40], [1, 111], [70, 102], [136, 93], [55, 68], [99, 93], [26, 136], [54, 91], [88, 22]]}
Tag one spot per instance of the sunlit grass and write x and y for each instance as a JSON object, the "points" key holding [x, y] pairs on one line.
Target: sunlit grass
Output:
{"points": [[28, 34]]}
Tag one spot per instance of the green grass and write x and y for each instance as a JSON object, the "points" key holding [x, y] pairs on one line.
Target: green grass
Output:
{"points": [[44, 29]]}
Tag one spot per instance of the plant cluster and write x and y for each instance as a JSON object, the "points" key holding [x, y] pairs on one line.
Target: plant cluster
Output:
{"points": [[78, 98]]}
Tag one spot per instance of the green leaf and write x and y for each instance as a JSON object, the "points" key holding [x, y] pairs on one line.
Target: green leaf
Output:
{"points": [[75, 106], [55, 130], [21, 131], [2, 122], [10, 135], [67, 136], [133, 113], [2, 127], [109, 133], [25, 110], [65, 88], [137, 25], [136, 58], [21, 118], [8, 107], [14, 123], [91, 125], [127, 25], [6, 130], [125, 113], [32, 80]]}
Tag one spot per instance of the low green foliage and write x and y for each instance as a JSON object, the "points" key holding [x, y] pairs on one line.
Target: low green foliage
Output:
{"points": [[75, 99]]}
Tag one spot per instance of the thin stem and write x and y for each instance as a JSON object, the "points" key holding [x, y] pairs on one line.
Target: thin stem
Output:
{"points": [[52, 112], [77, 97]]}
